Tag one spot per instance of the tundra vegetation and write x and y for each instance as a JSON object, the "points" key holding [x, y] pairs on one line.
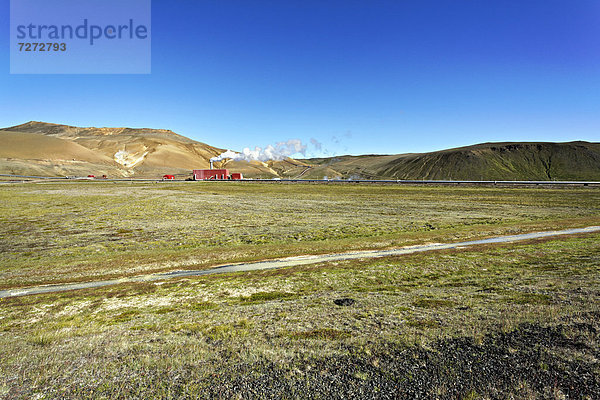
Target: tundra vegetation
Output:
{"points": [[496, 321]]}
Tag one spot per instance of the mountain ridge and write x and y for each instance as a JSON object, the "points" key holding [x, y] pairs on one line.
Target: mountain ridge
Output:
{"points": [[43, 148], [577, 160]]}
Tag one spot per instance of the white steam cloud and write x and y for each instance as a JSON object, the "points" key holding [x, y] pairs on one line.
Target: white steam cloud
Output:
{"points": [[316, 144], [277, 152]]}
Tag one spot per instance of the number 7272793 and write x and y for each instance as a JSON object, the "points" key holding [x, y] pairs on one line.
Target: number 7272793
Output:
{"points": [[42, 46]]}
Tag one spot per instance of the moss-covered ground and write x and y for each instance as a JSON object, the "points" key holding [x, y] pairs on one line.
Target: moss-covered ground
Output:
{"points": [[495, 321], [66, 232]]}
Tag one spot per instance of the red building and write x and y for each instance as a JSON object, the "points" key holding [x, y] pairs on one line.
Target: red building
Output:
{"points": [[210, 174], [215, 174], [168, 177]]}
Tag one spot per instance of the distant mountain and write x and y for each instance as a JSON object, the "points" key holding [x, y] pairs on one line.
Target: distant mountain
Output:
{"points": [[40, 148], [44, 149], [489, 161]]}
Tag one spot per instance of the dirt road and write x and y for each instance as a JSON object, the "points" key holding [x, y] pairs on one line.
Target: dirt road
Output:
{"points": [[289, 262]]}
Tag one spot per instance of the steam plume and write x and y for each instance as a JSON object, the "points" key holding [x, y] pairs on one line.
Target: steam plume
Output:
{"points": [[316, 144], [280, 151]]}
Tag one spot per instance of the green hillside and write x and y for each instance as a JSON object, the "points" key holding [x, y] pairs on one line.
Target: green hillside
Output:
{"points": [[488, 161]]}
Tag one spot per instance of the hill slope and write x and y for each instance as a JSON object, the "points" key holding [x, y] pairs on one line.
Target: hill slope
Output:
{"points": [[489, 161], [39, 148]]}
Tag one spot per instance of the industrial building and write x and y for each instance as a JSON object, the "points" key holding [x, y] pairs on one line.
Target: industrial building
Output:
{"points": [[215, 174]]}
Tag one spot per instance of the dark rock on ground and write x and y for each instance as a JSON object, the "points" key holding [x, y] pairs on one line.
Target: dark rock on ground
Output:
{"points": [[344, 302]]}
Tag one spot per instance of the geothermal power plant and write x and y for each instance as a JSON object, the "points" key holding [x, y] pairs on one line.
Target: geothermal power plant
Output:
{"points": [[215, 174]]}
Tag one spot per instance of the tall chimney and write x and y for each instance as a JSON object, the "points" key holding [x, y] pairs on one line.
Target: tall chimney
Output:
{"points": [[211, 164]]}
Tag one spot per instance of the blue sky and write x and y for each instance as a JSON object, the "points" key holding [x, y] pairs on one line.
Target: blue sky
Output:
{"points": [[357, 76]]}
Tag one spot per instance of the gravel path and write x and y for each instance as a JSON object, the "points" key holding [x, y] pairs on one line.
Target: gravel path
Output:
{"points": [[290, 262]]}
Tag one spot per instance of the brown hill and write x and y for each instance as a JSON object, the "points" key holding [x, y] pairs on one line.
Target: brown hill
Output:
{"points": [[46, 149], [32, 146], [129, 151]]}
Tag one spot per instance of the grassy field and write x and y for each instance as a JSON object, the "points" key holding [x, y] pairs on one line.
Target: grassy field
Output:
{"points": [[518, 321], [69, 232]]}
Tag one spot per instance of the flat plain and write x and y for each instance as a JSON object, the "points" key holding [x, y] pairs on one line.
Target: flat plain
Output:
{"points": [[496, 321]]}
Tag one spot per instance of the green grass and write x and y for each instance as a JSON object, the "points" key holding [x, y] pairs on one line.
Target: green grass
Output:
{"points": [[321, 334], [433, 303], [172, 339], [71, 232], [265, 296], [123, 340]]}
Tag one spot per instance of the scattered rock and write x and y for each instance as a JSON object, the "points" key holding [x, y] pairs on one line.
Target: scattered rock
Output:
{"points": [[533, 361], [344, 302]]}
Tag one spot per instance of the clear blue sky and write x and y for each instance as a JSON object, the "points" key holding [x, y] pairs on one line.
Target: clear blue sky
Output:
{"points": [[358, 76]]}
